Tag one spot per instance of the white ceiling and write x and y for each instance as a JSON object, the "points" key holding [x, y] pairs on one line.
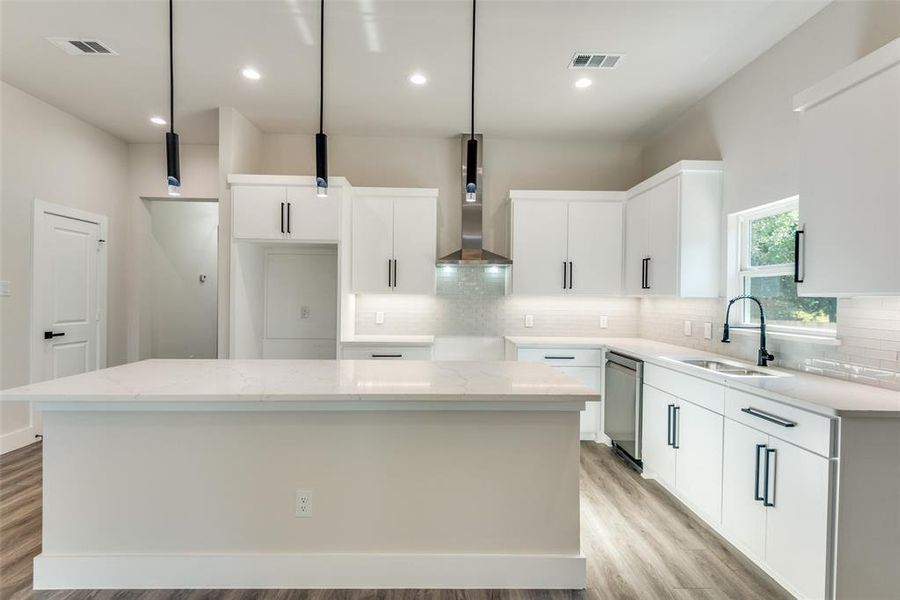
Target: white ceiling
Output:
{"points": [[676, 53]]}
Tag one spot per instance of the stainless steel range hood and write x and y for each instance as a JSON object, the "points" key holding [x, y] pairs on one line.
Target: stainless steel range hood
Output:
{"points": [[472, 253]]}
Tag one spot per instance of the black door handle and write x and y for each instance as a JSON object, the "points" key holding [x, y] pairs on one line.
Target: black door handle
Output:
{"points": [[676, 441], [565, 283], [49, 335], [395, 272], [669, 435], [289, 217], [756, 494], [767, 501], [282, 217], [390, 277], [570, 275], [797, 277]]}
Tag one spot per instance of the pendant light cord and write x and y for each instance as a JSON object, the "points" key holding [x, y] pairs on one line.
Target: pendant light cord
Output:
{"points": [[473, 72], [321, 66], [171, 74]]}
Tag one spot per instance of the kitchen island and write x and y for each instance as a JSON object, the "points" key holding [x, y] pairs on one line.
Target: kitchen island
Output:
{"points": [[310, 474]]}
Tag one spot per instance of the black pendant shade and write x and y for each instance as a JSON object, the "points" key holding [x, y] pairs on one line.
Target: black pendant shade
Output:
{"points": [[173, 163], [472, 144], [321, 138]]}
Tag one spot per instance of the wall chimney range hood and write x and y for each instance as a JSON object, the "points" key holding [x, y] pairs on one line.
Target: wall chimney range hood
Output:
{"points": [[472, 253]]}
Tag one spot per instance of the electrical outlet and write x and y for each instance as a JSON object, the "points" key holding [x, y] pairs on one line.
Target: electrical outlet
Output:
{"points": [[4, 288], [687, 328], [529, 320], [604, 321], [707, 331], [304, 312], [379, 317], [303, 504]]}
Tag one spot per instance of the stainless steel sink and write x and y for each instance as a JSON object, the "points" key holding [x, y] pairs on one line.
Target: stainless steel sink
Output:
{"points": [[725, 368]]}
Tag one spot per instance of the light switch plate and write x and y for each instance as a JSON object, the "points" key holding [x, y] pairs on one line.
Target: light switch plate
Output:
{"points": [[379, 317], [707, 331], [604, 321], [687, 328], [4, 288], [529, 320]]}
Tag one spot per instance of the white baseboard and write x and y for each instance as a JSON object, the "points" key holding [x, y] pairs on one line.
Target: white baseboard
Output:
{"points": [[17, 439], [305, 571]]}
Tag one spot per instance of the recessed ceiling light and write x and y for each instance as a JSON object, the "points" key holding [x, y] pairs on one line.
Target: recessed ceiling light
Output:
{"points": [[418, 79], [250, 73], [583, 83], [157, 120]]}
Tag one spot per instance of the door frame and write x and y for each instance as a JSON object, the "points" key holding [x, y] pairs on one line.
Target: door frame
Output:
{"points": [[37, 251]]}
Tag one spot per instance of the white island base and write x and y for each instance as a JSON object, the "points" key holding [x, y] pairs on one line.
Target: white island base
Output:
{"points": [[476, 488]]}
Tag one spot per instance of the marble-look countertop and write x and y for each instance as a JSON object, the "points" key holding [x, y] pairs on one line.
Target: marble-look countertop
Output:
{"points": [[389, 340], [824, 395], [321, 384]]}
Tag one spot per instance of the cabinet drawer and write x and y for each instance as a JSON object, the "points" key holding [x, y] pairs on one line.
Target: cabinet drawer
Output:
{"points": [[703, 393], [386, 353], [805, 429], [563, 357]]}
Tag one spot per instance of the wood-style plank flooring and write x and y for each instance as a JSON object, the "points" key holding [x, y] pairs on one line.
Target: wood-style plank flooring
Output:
{"points": [[639, 543]]}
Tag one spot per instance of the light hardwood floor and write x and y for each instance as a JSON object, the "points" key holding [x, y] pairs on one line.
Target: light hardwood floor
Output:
{"points": [[639, 543]]}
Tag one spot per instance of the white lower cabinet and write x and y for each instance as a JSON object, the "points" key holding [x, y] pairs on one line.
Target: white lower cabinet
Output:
{"points": [[682, 449], [776, 507], [582, 364], [656, 441]]}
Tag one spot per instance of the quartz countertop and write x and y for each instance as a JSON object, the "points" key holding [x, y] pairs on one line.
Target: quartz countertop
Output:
{"points": [[372, 385], [825, 395], [389, 340]]}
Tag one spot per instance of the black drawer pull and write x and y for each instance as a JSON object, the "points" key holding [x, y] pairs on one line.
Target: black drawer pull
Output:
{"points": [[559, 358], [387, 356], [767, 417], [49, 335]]}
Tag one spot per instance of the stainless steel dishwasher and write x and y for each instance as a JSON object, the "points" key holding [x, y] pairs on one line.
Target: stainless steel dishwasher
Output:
{"points": [[622, 404]]}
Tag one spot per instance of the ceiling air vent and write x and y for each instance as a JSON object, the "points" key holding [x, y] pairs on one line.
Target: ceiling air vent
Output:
{"points": [[82, 47], [596, 60]]}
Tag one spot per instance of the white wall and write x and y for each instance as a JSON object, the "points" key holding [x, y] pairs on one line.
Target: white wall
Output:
{"points": [[437, 162], [51, 155], [182, 307], [146, 179]]}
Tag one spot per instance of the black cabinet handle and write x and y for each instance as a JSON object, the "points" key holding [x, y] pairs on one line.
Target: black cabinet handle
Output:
{"points": [[565, 282], [669, 436], [390, 280], [289, 217], [675, 428], [395, 272], [282, 217], [798, 256], [49, 335], [559, 358], [756, 494], [387, 356], [770, 452], [570, 275], [645, 274], [768, 417]]}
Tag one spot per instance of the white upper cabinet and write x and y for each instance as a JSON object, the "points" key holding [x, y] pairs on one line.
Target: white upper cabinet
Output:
{"points": [[394, 240], [284, 208], [850, 181], [567, 242], [673, 232]]}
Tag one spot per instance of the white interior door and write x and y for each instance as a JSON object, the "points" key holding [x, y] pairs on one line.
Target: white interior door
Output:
{"points": [[373, 244], [68, 316], [415, 245], [595, 247], [539, 247]]}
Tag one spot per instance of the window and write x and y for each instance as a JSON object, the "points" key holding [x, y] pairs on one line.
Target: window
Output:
{"points": [[766, 270]]}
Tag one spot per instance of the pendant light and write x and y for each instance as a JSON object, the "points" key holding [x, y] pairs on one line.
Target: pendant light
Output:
{"points": [[173, 164], [472, 144], [321, 138]]}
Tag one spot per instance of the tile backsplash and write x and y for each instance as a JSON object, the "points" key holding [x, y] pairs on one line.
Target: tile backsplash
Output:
{"points": [[868, 329], [472, 301]]}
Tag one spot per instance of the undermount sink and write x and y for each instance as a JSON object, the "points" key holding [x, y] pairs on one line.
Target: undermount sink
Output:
{"points": [[725, 368]]}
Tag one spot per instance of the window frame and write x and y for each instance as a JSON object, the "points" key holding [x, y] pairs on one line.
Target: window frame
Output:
{"points": [[741, 270]]}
